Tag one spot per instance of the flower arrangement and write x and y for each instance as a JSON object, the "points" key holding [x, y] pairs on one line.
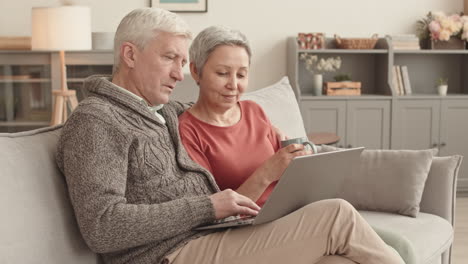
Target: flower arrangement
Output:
{"points": [[439, 26], [315, 65]]}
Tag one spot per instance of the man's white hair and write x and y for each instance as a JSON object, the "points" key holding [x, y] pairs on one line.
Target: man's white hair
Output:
{"points": [[142, 25]]}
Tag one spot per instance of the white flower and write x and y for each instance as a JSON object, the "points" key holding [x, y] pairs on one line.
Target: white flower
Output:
{"points": [[314, 64], [444, 35], [464, 35], [438, 15]]}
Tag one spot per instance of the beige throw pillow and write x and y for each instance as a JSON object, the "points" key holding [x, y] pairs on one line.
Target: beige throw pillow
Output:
{"points": [[388, 180], [280, 104]]}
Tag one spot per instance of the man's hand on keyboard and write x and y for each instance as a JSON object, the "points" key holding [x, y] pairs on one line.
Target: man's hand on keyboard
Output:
{"points": [[228, 203]]}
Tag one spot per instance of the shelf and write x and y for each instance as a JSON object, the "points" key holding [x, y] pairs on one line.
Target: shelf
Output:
{"points": [[32, 80], [24, 51], [351, 97], [344, 51], [432, 96], [428, 52], [78, 80], [92, 51], [23, 123], [55, 51], [384, 97]]}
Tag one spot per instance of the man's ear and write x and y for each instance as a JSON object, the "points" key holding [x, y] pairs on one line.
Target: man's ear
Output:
{"points": [[128, 54], [194, 73]]}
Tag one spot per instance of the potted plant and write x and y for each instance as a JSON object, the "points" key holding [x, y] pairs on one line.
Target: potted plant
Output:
{"points": [[442, 86], [317, 67], [443, 31], [342, 77]]}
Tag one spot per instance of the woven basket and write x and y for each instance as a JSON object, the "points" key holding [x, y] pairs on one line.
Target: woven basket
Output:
{"points": [[356, 43]]}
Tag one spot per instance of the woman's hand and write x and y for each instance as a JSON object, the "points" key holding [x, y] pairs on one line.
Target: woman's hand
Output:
{"points": [[228, 203], [272, 169]]}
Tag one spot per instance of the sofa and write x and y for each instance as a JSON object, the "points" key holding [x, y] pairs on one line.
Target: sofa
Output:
{"points": [[38, 224]]}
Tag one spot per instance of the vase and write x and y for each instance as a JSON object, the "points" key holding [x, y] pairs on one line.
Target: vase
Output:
{"points": [[317, 84], [442, 89], [453, 43]]}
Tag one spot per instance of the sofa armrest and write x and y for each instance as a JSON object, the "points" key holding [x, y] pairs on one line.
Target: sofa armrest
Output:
{"points": [[441, 186]]}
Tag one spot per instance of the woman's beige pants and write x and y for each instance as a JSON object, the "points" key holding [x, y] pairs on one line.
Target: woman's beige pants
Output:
{"points": [[328, 227]]}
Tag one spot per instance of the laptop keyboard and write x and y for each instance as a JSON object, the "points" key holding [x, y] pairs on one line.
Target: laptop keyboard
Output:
{"points": [[232, 219]]}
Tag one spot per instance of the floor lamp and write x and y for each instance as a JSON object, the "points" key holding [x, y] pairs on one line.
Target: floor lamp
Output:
{"points": [[61, 29]]}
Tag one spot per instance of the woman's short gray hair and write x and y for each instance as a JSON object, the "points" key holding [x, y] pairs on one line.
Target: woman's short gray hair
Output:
{"points": [[143, 24], [210, 38]]}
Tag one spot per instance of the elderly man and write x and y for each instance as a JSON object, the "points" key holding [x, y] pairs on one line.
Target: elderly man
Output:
{"points": [[136, 194]]}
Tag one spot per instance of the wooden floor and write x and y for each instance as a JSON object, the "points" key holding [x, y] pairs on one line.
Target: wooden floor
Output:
{"points": [[460, 245]]}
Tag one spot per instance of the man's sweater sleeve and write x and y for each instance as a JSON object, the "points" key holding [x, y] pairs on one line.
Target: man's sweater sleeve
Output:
{"points": [[93, 156]]}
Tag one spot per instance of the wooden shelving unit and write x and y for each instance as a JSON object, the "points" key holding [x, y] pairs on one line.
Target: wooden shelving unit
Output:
{"points": [[381, 119], [27, 79]]}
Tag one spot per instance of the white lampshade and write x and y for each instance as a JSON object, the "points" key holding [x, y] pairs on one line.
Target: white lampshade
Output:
{"points": [[61, 28]]}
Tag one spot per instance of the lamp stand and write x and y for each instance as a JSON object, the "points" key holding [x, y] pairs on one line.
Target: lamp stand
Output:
{"points": [[63, 96]]}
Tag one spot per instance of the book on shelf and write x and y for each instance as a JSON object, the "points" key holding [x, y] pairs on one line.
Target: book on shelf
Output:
{"points": [[395, 85], [393, 81], [406, 46], [406, 80], [400, 81], [404, 42], [400, 88], [402, 36]]}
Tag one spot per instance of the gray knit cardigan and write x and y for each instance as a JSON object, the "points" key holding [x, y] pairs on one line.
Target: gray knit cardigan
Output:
{"points": [[135, 191]]}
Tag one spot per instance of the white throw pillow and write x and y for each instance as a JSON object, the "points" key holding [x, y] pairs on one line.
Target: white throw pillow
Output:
{"points": [[280, 104]]}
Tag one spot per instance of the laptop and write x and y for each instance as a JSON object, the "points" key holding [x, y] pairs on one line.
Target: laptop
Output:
{"points": [[307, 179]]}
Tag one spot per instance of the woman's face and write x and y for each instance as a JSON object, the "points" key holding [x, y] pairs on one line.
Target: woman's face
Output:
{"points": [[224, 77]]}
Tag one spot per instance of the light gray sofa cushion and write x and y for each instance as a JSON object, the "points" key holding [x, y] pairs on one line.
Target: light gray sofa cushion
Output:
{"points": [[37, 224], [280, 104], [388, 180], [422, 239]]}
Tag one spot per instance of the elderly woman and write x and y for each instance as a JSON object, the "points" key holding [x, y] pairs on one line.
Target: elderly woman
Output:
{"points": [[236, 142], [233, 139]]}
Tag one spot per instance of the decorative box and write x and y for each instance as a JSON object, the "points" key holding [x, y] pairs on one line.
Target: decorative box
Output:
{"points": [[342, 88], [311, 40], [453, 43]]}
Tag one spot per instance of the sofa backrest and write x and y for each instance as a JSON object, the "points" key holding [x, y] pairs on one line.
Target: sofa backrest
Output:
{"points": [[37, 224]]}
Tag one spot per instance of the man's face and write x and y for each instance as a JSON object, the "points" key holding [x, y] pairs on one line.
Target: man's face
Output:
{"points": [[159, 66]]}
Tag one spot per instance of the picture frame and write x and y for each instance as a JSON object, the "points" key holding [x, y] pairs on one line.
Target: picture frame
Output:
{"points": [[182, 6]]}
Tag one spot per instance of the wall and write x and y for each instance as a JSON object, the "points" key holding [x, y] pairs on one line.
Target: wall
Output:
{"points": [[267, 23]]}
